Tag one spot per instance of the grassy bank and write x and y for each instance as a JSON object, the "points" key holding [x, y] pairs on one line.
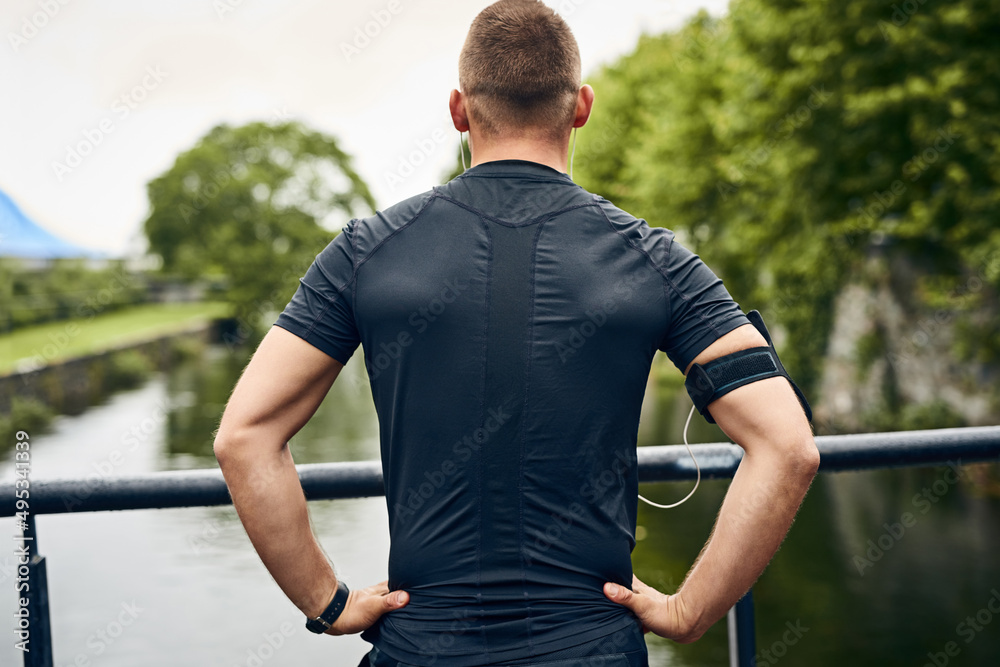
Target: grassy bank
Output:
{"points": [[58, 341]]}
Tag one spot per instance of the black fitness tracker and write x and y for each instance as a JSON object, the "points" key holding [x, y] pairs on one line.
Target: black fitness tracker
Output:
{"points": [[322, 623]]}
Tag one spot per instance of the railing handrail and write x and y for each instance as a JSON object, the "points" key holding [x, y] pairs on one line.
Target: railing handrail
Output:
{"points": [[190, 488], [359, 479]]}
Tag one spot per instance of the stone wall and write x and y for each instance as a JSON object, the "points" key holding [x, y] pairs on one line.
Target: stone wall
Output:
{"points": [[70, 386], [891, 359]]}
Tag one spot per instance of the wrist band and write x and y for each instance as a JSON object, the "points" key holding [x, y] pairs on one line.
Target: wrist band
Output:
{"points": [[324, 621]]}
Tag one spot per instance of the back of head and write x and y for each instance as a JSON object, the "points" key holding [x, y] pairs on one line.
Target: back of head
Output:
{"points": [[520, 71]]}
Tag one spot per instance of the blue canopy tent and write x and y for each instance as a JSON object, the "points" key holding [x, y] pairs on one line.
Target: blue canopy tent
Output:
{"points": [[21, 237]]}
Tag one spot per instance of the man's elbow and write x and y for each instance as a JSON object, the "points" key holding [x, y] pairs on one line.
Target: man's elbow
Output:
{"points": [[227, 445], [220, 447], [786, 444], [790, 447], [245, 444], [802, 456]]}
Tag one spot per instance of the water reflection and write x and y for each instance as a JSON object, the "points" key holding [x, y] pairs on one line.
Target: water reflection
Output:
{"points": [[344, 428]]}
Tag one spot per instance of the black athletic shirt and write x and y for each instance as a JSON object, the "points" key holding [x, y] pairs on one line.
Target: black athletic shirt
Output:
{"points": [[508, 320]]}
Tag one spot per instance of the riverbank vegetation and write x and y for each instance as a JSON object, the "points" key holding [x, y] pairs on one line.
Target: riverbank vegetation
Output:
{"points": [[33, 347], [35, 292]]}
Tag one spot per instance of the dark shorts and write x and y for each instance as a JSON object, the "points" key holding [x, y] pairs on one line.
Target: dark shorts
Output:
{"points": [[625, 648]]}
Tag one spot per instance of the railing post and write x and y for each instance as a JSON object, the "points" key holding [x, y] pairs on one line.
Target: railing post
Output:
{"points": [[39, 653], [742, 639]]}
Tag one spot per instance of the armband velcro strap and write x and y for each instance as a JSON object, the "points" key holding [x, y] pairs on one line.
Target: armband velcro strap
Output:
{"points": [[720, 376], [713, 380]]}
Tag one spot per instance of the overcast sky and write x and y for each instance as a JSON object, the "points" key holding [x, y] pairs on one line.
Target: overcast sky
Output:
{"points": [[145, 79]]}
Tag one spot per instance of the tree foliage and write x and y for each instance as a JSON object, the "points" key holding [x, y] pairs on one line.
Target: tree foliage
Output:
{"points": [[788, 139], [33, 293], [253, 205]]}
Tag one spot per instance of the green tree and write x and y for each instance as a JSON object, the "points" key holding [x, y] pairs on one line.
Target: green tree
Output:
{"points": [[253, 205], [786, 140]]}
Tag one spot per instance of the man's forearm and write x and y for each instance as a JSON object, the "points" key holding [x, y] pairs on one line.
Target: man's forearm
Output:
{"points": [[756, 514], [269, 500]]}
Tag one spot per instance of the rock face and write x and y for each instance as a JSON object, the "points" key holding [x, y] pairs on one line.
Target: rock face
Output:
{"points": [[891, 362]]}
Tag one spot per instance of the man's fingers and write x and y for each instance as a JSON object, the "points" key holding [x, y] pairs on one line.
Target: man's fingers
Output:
{"points": [[375, 604], [396, 600], [639, 587], [366, 606], [624, 597]]}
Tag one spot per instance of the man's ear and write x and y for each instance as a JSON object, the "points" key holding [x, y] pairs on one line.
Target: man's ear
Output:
{"points": [[584, 105], [459, 115]]}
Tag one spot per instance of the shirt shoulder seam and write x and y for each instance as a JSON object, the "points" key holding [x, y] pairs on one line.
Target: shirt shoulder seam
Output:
{"points": [[356, 267], [666, 279]]}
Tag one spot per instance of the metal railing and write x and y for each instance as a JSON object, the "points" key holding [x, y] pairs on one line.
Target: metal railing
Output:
{"points": [[326, 481]]}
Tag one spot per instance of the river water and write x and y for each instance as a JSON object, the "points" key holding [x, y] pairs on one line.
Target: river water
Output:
{"points": [[880, 568]]}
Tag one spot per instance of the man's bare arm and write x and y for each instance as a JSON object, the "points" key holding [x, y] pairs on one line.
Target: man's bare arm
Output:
{"points": [[779, 463], [279, 391]]}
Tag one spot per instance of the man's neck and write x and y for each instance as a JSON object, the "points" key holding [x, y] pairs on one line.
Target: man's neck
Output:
{"points": [[520, 149]]}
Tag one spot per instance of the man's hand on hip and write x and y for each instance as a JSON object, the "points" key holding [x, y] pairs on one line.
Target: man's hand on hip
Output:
{"points": [[659, 613], [366, 606]]}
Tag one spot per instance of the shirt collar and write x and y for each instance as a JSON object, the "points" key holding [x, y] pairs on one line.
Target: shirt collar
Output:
{"points": [[516, 168]]}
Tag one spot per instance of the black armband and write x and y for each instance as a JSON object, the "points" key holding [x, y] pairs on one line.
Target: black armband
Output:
{"points": [[706, 383]]}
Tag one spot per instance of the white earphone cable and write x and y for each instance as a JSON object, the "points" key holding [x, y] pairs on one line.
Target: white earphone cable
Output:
{"points": [[696, 467], [572, 155], [461, 149]]}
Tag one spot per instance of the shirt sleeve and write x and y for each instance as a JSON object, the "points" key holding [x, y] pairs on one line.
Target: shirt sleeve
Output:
{"points": [[700, 308], [322, 310]]}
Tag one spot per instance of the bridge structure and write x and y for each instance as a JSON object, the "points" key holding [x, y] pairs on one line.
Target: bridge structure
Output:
{"points": [[327, 481]]}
